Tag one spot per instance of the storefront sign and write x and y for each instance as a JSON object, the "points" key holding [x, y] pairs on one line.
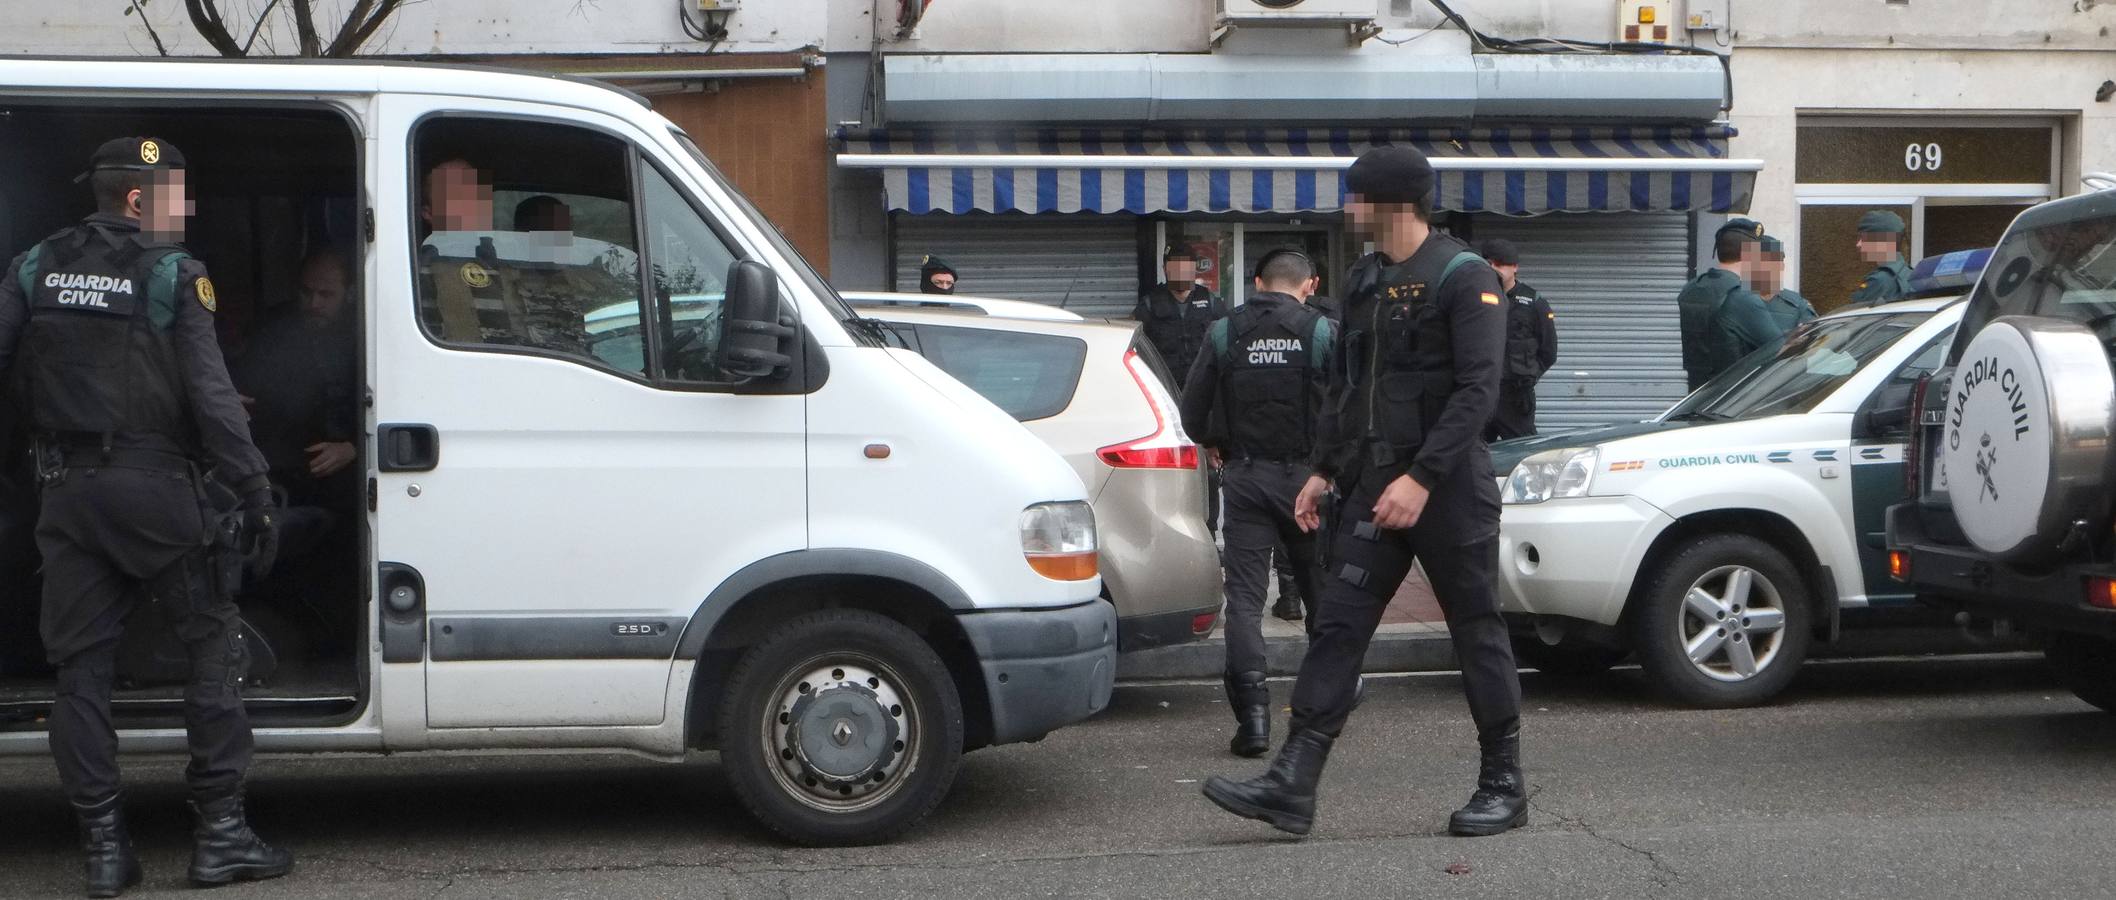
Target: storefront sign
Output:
{"points": [[1851, 154]]}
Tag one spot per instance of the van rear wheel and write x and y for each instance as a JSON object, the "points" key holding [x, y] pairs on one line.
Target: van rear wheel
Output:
{"points": [[841, 728], [2086, 665]]}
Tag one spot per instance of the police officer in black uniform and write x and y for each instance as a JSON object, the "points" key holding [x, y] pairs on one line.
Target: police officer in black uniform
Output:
{"points": [[1176, 313], [106, 338], [1252, 397], [1403, 447], [1531, 344]]}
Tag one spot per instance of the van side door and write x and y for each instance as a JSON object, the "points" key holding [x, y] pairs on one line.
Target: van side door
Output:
{"points": [[558, 459]]}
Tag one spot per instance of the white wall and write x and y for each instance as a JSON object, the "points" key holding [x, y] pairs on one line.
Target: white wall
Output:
{"points": [[432, 27], [1979, 24]]}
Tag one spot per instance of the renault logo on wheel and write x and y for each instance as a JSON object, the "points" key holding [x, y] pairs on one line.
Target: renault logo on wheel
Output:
{"points": [[841, 733]]}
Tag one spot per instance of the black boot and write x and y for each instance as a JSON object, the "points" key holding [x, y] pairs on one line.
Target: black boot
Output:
{"points": [[225, 850], [112, 867], [1288, 605], [1501, 800], [1251, 700], [1284, 796]]}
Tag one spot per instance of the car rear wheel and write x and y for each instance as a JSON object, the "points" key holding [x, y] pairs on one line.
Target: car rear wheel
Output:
{"points": [[1723, 624], [2086, 665], [841, 728]]}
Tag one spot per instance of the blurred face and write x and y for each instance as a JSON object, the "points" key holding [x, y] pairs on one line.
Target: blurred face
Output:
{"points": [[1875, 247], [1509, 274], [1381, 222], [458, 198], [1768, 276], [163, 204], [1180, 271], [323, 290]]}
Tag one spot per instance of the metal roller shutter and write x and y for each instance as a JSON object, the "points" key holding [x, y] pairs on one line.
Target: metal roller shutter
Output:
{"points": [[1088, 264], [1612, 280]]}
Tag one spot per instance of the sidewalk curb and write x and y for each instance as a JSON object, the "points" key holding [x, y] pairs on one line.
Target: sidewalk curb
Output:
{"points": [[1398, 652]]}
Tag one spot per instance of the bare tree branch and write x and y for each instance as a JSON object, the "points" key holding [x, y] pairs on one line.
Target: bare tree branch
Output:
{"points": [[305, 29], [206, 20], [361, 24], [159, 47], [262, 18]]}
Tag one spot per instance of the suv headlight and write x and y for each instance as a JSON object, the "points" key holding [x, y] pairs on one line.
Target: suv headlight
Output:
{"points": [[1552, 474], [1058, 539]]}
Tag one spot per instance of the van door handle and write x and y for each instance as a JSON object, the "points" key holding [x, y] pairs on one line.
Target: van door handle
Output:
{"points": [[407, 448]]}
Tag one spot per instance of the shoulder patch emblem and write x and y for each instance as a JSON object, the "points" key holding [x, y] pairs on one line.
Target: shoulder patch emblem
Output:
{"points": [[475, 275], [204, 288], [1489, 299]]}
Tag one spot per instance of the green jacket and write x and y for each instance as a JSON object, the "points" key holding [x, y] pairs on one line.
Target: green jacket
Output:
{"points": [[1702, 307], [1740, 326], [1789, 309], [1888, 281]]}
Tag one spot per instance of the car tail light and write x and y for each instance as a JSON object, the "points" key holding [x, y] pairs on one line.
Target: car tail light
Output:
{"points": [[1167, 447], [2101, 592], [1899, 565], [1914, 450], [1202, 623]]}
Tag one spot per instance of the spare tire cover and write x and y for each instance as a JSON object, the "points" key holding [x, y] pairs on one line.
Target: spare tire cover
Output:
{"points": [[2026, 447]]}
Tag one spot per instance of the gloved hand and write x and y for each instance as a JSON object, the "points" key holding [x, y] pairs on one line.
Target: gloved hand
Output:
{"points": [[260, 531]]}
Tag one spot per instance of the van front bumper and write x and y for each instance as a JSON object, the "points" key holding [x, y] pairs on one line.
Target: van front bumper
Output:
{"points": [[1044, 668]]}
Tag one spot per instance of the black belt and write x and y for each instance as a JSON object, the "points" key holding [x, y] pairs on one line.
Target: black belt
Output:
{"points": [[95, 456]]}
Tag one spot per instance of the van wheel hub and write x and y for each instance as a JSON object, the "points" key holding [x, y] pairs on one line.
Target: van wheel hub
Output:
{"points": [[838, 733]]}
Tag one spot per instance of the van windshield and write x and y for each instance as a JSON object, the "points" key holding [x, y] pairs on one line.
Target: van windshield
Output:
{"points": [[2059, 269], [839, 309], [1807, 367]]}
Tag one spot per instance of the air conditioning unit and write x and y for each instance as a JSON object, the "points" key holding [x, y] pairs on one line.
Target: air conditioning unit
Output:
{"points": [[1296, 12]]}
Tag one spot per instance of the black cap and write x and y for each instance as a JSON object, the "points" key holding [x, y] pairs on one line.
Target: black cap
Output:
{"points": [[1499, 252], [136, 153], [1178, 251], [1749, 228], [1391, 174]]}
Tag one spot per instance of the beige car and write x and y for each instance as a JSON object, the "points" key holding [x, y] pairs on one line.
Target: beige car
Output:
{"points": [[1095, 391]]}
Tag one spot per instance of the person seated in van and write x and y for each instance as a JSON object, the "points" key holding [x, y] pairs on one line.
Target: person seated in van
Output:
{"points": [[462, 295], [299, 379]]}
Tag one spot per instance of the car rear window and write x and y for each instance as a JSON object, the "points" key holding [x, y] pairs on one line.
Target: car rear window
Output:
{"points": [[1031, 376]]}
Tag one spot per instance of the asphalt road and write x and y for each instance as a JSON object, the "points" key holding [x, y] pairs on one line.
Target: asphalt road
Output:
{"points": [[1928, 778]]}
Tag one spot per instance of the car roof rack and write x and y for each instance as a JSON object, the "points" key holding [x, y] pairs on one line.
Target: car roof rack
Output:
{"points": [[1005, 309]]}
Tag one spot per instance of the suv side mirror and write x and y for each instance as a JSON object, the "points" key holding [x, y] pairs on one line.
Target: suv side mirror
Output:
{"points": [[753, 339], [1888, 413]]}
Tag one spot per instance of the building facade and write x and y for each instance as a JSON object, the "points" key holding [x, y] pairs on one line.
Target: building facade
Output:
{"points": [[1957, 114]]}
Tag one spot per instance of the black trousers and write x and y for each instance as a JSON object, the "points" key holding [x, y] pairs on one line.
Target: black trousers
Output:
{"points": [[1259, 508], [1363, 570], [111, 539], [1515, 416]]}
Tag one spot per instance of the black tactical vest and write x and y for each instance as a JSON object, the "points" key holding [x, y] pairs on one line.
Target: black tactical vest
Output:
{"points": [[1400, 346], [1267, 373], [1523, 338], [1177, 327], [92, 362]]}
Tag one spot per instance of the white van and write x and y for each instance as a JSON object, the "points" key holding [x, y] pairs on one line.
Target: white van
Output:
{"points": [[749, 526]]}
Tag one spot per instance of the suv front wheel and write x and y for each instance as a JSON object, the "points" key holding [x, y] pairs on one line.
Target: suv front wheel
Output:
{"points": [[1724, 623]]}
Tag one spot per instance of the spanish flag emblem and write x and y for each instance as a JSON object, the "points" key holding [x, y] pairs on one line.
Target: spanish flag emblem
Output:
{"points": [[1489, 299]]}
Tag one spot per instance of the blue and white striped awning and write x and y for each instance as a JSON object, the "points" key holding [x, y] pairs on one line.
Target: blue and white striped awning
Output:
{"points": [[1522, 171]]}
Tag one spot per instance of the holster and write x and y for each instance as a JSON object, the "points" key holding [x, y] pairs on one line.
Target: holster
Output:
{"points": [[50, 462], [1326, 529], [222, 511]]}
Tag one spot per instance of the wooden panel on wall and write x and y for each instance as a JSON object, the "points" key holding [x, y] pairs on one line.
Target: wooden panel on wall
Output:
{"points": [[767, 135]]}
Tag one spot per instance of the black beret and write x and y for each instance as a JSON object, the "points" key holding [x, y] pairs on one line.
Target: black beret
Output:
{"points": [[1880, 221], [137, 153], [1499, 252], [932, 264], [1749, 228], [1391, 174]]}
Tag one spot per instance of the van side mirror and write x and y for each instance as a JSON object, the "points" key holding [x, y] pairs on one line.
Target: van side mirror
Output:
{"points": [[753, 339]]}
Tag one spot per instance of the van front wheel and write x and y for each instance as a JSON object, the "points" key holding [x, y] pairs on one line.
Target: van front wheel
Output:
{"points": [[841, 728]]}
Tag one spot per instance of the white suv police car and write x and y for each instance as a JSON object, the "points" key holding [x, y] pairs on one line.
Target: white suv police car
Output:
{"points": [[1719, 540]]}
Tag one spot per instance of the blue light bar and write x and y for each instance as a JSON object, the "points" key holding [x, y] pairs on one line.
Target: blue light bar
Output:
{"points": [[1949, 271]]}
